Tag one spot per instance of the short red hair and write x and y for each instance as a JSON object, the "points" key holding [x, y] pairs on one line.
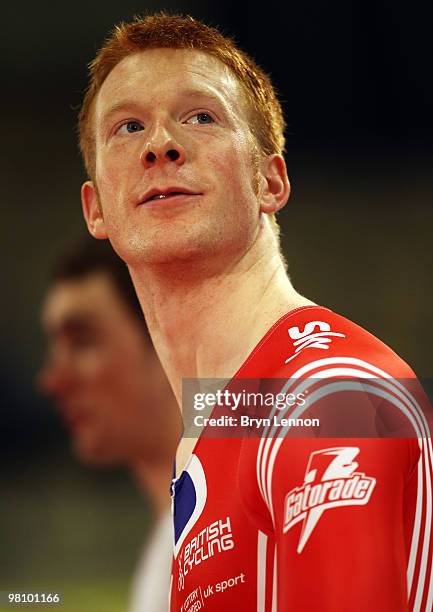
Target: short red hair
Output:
{"points": [[178, 32]]}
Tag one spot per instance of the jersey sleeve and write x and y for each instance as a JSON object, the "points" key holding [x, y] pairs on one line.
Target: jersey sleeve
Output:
{"points": [[346, 504], [337, 509]]}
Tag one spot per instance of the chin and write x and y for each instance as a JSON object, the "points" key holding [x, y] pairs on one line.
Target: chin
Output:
{"points": [[172, 245], [93, 456]]}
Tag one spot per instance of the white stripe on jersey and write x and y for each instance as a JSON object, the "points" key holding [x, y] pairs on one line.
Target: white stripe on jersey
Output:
{"points": [[274, 583], [262, 541], [405, 402], [416, 527], [426, 542], [429, 604]]}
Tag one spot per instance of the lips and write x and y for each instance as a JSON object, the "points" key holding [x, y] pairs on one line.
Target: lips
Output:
{"points": [[72, 417], [154, 195]]}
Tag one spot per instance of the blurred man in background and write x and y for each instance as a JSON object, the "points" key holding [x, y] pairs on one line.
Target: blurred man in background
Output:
{"points": [[112, 393]]}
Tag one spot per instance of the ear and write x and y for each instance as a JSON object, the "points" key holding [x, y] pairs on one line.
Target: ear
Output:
{"points": [[92, 211], [275, 184]]}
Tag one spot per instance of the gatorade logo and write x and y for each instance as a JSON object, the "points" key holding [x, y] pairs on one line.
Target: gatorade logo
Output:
{"points": [[330, 482]]}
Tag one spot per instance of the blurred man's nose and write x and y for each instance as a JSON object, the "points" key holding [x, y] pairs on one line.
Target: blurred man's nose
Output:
{"points": [[53, 379], [162, 147]]}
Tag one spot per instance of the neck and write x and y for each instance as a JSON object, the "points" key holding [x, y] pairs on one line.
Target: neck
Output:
{"points": [[206, 317], [155, 480]]}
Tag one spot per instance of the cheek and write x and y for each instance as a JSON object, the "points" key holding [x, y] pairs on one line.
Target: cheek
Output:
{"points": [[113, 171], [96, 369], [108, 180], [234, 164]]}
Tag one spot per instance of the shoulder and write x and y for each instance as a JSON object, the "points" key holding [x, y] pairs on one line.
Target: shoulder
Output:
{"points": [[338, 375], [362, 394], [151, 581], [357, 378], [312, 334], [317, 336]]}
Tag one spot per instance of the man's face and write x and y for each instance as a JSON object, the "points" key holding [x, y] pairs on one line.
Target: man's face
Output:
{"points": [[173, 122], [105, 379]]}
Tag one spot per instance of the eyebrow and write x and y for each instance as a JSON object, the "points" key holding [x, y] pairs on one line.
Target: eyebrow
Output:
{"points": [[75, 323], [123, 105], [132, 105]]}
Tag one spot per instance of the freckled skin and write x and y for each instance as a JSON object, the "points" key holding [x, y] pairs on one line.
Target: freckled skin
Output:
{"points": [[215, 158]]}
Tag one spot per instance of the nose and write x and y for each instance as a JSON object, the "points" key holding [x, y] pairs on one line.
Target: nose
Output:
{"points": [[53, 380], [162, 148]]}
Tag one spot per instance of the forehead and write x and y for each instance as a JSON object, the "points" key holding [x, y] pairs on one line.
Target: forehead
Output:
{"points": [[90, 299], [156, 73]]}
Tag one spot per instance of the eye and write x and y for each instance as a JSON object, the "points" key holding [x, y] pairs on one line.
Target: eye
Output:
{"points": [[83, 340], [130, 127], [200, 119]]}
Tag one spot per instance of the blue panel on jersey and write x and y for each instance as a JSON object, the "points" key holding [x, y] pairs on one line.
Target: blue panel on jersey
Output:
{"points": [[185, 500]]}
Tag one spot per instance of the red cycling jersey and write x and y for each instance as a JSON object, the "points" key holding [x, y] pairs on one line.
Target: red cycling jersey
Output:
{"points": [[332, 515]]}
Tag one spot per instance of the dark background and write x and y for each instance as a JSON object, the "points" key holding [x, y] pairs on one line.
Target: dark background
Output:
{"points": [[355, 79]]}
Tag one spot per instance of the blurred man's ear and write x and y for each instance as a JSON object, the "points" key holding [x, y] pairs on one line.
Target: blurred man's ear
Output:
{"points": [[275, 184], [92, 211]]}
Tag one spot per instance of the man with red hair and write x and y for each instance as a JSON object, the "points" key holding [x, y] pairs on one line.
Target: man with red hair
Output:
{"points": [[182, 137]]}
